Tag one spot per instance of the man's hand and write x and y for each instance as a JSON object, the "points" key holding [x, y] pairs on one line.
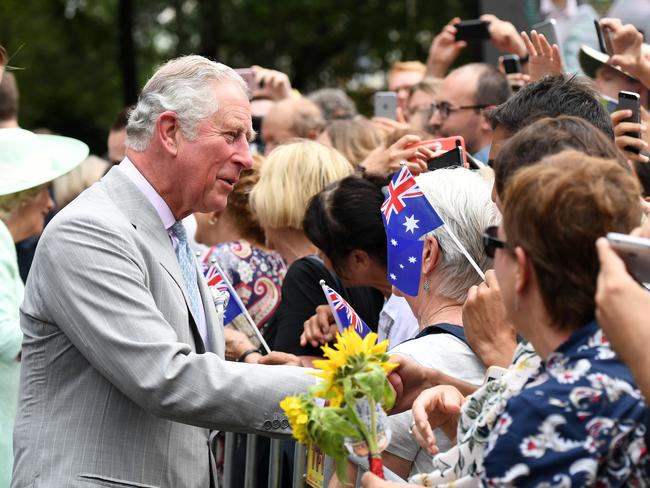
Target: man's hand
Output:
{"points": [[622, 310], [623, 140], [320, 328], [276, 358], [237, 343], [271, 84], [627, 44], [408, 380], [504, 35], [384, 161], [436, 408], [543, 59], [491, 336], [444, 50], [388, 126]]}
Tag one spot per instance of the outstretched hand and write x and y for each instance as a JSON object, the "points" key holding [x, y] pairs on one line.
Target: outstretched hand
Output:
{"points": [[436, 408], [543, 59]]}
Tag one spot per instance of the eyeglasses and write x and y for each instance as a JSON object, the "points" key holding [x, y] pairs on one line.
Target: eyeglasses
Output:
{"points": [[491, 242], [446, 108]]}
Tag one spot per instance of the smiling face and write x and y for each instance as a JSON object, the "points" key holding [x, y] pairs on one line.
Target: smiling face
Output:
{"points": [[208, 166]]}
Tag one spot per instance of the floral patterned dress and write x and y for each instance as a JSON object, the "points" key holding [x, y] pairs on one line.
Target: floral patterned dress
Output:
{"points": [[578, 422], [460, 466], [255, 274]]}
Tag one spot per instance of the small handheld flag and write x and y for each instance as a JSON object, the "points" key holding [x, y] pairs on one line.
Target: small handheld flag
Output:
{"points": [[225, 295], [344, 314], [407, 216]]}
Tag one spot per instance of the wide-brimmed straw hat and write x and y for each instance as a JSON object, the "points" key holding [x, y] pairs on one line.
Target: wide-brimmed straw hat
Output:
{"points": [[28, 160], [591, 60]]}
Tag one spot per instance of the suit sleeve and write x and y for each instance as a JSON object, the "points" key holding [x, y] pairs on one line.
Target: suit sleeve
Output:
{"points": [[92, 283]]}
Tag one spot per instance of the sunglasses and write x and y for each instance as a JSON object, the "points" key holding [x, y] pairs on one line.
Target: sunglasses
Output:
{"points": [[491, 242]]}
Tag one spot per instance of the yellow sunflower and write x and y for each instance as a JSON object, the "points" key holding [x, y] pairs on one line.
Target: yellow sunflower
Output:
{"points": [[295, 407], [349, 355]]}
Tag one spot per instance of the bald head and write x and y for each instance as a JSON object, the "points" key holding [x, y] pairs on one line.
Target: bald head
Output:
{"points": [[289, 119]]}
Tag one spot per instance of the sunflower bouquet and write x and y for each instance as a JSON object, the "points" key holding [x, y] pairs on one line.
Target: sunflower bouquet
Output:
{"points": [[345, 411]]}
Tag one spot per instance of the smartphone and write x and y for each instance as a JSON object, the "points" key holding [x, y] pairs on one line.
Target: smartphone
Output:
{"points": [[248, 76], [454, 157], [454, 147], [511, 63], [386, 104], [472, 30], [604, 38], [631, 101], [635, 251]]}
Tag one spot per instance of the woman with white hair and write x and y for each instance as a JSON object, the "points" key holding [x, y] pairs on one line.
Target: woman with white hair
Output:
{"points": [[462, 199], [28, 162]]}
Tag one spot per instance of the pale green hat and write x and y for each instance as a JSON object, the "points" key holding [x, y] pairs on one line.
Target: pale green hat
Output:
{"points": [[28, 160]]}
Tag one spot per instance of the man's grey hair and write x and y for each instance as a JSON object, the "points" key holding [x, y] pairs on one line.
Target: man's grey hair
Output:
{"points": [[462, 199], [333, 103], [184, 86]]}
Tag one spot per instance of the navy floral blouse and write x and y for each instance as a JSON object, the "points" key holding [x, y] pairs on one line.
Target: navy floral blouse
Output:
{"points": [[255, 274], [579, 422]]}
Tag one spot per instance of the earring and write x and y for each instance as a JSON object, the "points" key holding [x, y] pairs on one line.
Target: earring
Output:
{"points": [[212, 221], [425, 285]]}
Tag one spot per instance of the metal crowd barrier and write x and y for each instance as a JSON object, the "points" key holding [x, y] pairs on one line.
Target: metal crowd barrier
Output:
{"points": [[299, 475]]}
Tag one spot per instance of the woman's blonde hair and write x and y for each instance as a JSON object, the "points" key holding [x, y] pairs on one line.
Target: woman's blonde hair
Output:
{"points": [[291, 175], [355, 138], [12, 203]]}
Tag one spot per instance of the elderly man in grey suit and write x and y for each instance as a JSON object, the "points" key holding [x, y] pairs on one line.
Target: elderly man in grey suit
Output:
{"points": [[123, 372]]}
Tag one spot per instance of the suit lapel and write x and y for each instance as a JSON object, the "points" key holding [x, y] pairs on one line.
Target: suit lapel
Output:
{"points": [[146, 221]]}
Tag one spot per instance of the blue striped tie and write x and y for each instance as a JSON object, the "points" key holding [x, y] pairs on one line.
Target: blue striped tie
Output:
{"points": [[188, 268]]}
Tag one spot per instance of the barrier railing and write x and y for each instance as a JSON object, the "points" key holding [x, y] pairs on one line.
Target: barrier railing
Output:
{"points": [[299, 475]]}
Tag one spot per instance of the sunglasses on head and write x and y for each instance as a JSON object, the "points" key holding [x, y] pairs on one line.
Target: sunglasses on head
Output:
{"points": [[491, 242]]}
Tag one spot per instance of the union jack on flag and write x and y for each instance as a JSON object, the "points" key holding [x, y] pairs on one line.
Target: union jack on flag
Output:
{"points": [[214, 278], [344, 314], [401, 187]]}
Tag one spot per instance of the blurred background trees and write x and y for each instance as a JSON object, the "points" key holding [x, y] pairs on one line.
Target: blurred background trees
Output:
{"points": [[78, 62]]}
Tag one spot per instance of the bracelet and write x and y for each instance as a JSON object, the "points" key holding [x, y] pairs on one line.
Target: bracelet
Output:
{"points": [[243, 357]]}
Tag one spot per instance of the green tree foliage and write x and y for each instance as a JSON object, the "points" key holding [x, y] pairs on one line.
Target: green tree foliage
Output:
{"points": [[70, 65]]}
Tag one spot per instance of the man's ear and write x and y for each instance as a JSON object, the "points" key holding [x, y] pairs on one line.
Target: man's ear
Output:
{"points": [[486, 125], [167, 131], [524, 270], [431, 254]]}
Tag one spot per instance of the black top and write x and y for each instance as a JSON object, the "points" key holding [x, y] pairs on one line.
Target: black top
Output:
{"points": [[302, 293]]}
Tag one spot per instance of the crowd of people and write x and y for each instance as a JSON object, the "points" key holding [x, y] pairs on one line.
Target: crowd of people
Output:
{"points": [[115, 366]]}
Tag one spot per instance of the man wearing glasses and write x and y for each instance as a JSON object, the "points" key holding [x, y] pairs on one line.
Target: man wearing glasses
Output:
{"points": [[459, 106]]}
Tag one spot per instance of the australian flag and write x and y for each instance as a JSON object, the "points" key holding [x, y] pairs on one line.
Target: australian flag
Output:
{"points": [[407, 215], [218, 284], [344, 314]]}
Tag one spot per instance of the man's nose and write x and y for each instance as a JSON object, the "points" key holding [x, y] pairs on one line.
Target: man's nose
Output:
{"points": [[435, 120], [244, 155]]}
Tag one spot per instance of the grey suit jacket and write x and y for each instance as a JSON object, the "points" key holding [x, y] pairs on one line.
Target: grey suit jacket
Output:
{"points": [[115, 389]]}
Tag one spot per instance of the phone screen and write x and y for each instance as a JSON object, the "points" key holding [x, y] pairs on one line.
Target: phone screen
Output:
{"points": [[631, 101]]}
